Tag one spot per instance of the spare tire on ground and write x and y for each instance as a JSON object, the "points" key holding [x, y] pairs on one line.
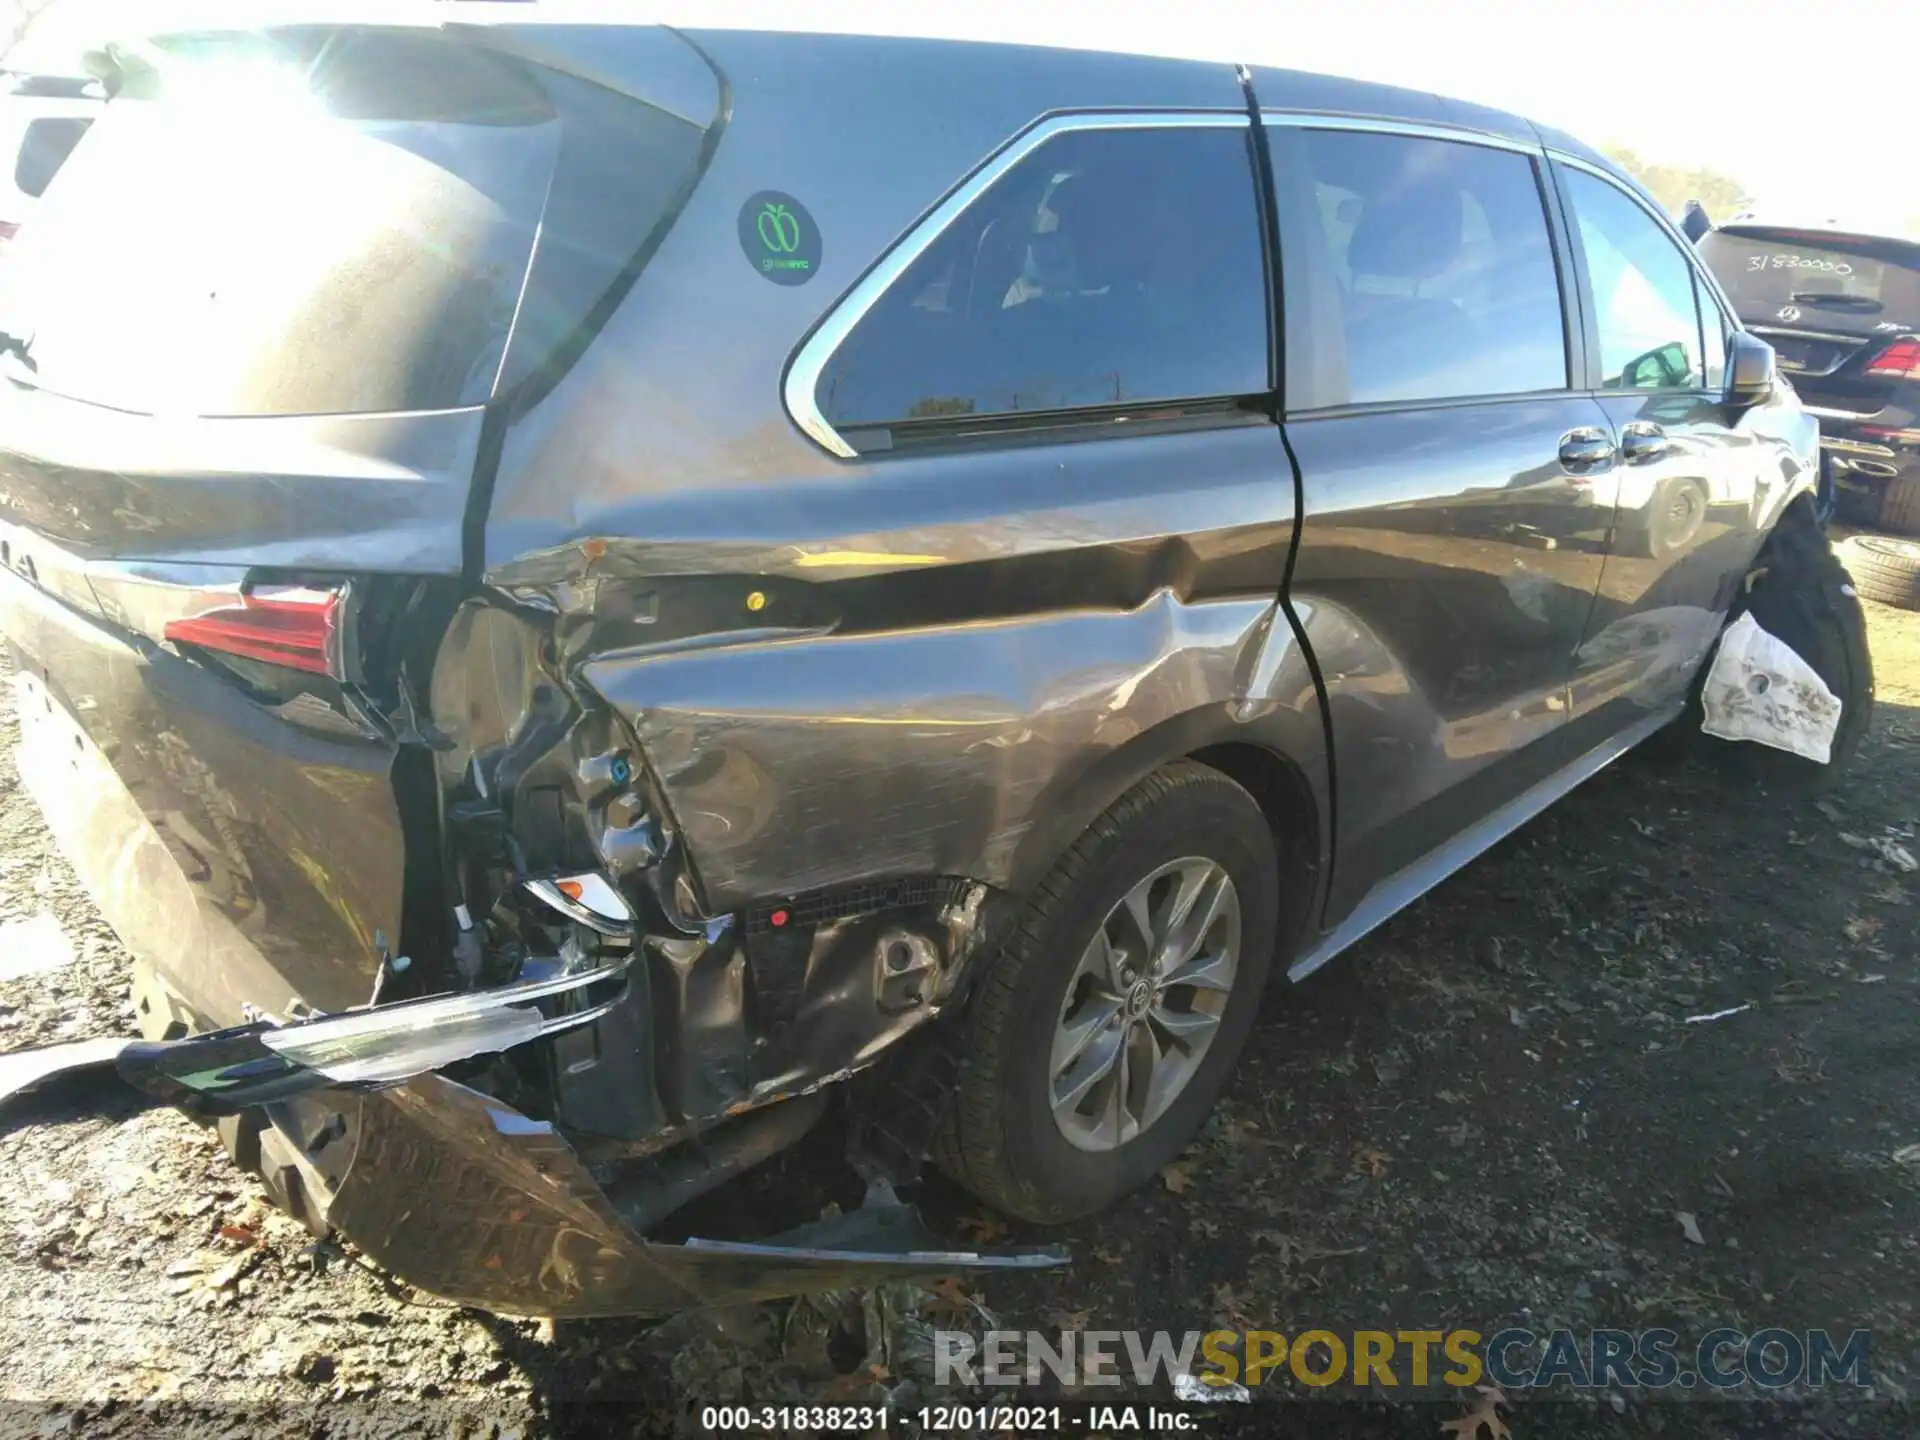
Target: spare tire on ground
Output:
{"points": [[1900, 506], [1886, 569]]}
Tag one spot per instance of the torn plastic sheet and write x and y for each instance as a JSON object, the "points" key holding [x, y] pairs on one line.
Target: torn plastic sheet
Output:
{"points": [[1759, 689], [1197, 1390]]}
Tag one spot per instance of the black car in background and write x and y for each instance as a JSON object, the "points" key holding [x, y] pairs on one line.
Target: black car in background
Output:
{"points": [[1842, 311]]}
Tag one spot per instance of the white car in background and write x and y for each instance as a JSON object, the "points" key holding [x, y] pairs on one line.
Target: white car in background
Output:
{"points": [[42, 118]]}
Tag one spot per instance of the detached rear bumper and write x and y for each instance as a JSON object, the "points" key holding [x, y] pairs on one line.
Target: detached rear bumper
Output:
{"points": [[512, 1221], [467, 1198]]}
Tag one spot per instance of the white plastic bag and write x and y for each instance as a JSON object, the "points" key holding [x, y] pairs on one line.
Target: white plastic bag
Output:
{"points": [[1759, 689]]}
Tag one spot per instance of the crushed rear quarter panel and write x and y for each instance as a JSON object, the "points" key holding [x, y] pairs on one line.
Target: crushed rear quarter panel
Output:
{"points": [[929, 664]]}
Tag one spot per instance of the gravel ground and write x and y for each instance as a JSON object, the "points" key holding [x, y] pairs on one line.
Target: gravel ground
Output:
{"points": [[1491, 1112]]}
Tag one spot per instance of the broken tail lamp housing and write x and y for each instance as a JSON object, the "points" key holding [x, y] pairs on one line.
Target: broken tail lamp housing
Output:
{"points": [[293, 626], [588, 900]]}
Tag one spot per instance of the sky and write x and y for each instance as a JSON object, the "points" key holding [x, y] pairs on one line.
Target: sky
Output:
{"points": [[1791, 99]]}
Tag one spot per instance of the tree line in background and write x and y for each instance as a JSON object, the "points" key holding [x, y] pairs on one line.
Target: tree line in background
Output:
{"points": [[1674, 185], [1723, 196]]}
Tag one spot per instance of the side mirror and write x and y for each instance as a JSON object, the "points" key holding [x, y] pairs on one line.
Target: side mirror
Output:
{"points": [[1660, 369], [1750, 369], [1695, 223]]}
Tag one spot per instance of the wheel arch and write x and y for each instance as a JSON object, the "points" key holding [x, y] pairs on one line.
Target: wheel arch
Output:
{"points": [[1280, 759], [1285, 796]]}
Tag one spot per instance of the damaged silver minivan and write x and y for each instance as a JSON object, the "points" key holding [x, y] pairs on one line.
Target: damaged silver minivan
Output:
{"points": [[583, 591]]}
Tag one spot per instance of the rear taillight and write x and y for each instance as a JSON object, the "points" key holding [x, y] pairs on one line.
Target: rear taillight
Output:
{"points": [[1899, 361], [294, 627]]}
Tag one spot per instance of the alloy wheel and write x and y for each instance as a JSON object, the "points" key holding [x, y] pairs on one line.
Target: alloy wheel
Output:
{"points": [[1144, 1003]]}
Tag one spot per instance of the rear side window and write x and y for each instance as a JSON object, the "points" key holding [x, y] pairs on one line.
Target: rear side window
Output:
{"points": [[1433, 265], [1109, 267], [1643, 297], [44, 148], [331, 220]]}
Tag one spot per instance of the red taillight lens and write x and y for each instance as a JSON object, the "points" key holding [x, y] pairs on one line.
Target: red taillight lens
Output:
{"points": [[1899, 361], [296, 628]]}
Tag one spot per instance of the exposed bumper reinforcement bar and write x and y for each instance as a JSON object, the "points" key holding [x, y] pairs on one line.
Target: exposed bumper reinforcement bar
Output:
{"points": [[464, 1197], [226, 1071]]}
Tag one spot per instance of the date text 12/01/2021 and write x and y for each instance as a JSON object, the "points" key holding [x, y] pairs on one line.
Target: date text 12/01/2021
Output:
{"points": [[945, 1419]]}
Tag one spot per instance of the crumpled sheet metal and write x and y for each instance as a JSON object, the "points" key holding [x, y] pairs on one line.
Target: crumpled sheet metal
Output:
{"points": [[951, 742], [1759, 689], [461, 1196]]}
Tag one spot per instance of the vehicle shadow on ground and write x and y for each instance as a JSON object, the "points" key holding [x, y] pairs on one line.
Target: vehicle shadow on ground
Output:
{"points": [[95, 1094]]}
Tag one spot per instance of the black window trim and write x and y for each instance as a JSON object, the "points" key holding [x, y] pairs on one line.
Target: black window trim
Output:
{"points": [[1702, 277], [801, 384], [1572, 311], [1444, 402], [1060, 427]]}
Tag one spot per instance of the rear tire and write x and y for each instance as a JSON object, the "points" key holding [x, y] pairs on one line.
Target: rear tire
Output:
{"points": [[1900, 506], [1010, 1138], [1801, 593], [1885, 569]]}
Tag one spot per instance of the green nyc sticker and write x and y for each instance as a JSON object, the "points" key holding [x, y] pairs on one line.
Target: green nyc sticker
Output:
{"points": [[779, 238]]}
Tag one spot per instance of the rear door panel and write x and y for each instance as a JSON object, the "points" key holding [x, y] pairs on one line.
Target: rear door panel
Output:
{"points": [[1449, 563], [1447, 556]]}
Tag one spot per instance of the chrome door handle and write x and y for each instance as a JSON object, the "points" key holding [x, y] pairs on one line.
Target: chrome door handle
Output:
{"points": [[1643, 440], [1586, 448]]}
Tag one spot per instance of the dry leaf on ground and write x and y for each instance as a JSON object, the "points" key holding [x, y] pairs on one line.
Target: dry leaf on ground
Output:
{"points": [[984, 1229], [1483, 1418], [948, 1300]]}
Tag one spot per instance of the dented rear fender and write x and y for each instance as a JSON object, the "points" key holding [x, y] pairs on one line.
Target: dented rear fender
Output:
{"points": [[979, 749]]}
